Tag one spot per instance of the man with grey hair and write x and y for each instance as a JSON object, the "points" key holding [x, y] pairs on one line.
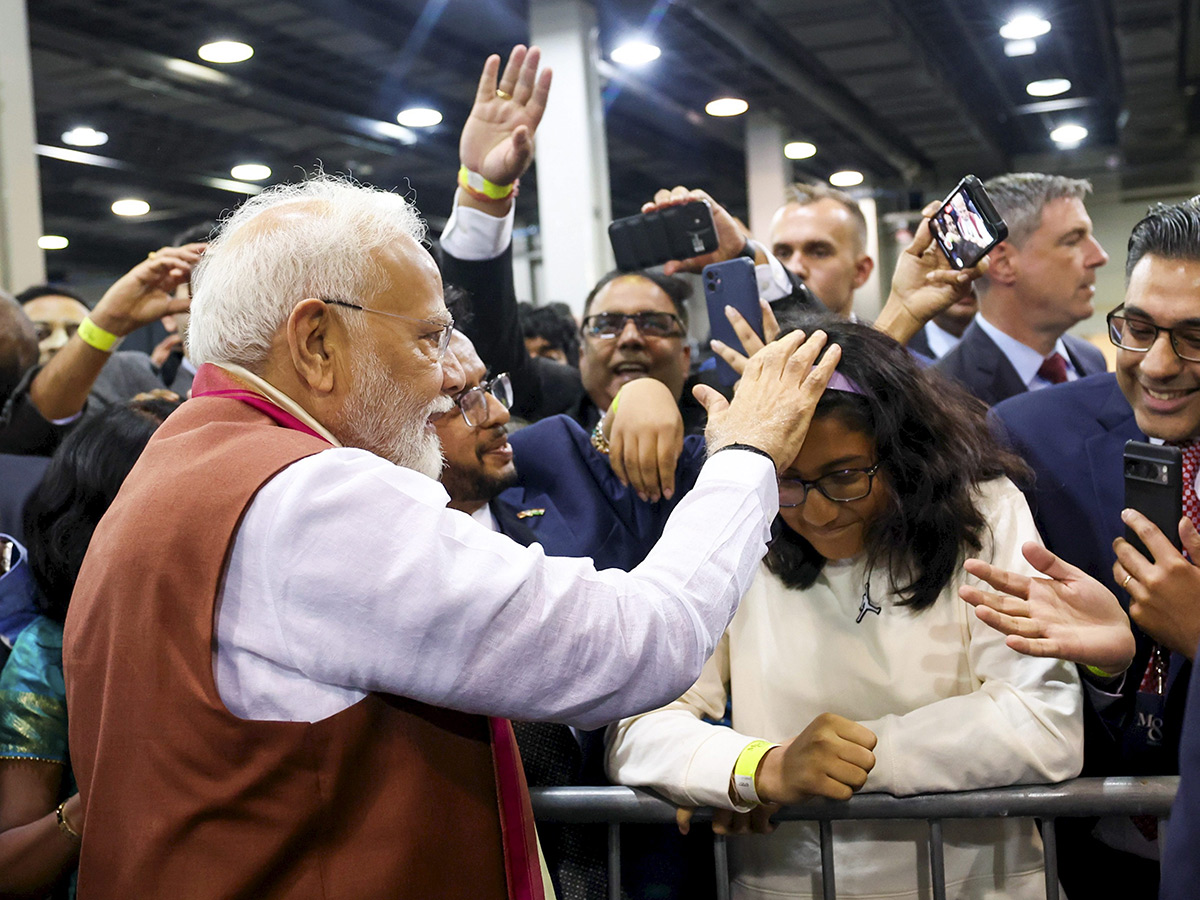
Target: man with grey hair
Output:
{"points": [[306, 690], [820, 234], [1041, 282]]}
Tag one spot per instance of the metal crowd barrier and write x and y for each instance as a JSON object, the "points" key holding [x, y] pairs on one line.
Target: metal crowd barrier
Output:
{"points": [[1078, 798]]}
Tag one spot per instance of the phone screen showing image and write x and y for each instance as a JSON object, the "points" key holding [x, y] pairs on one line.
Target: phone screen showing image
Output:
{"points": [[967, 226]]}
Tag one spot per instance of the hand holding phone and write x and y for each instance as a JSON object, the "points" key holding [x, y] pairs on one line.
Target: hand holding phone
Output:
{"points": [[731, 283], [966, 226], [661, 235], [1154, 487]]}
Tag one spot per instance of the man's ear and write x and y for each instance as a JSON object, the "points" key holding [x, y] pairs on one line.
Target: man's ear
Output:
{"points": [[862, 270], [313, 348], [1003, 263]]}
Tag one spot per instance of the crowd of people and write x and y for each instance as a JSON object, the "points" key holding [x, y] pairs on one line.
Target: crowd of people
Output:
{"points": [[302, 604]]}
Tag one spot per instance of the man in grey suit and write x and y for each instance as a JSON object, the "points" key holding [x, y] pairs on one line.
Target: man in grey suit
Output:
{"points": [[1041, 282]]}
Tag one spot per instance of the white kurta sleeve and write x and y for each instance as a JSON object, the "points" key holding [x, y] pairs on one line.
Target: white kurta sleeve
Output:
{"points": [[671, 750], [351, 572], [1024, 722]]}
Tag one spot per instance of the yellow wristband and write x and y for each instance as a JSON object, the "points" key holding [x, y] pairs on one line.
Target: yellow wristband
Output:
{"points": [[1100, 673], [478, 186], [612, 407], [746, 768], [95, 336]]}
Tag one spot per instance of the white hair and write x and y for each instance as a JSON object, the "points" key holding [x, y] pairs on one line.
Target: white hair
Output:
{"points": [[293, 241]]}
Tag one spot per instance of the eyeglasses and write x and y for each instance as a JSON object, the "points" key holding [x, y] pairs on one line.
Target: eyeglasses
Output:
{"points": [[444, 329], [1139, 335], [648, 324], [842, 486], [473, 402]]}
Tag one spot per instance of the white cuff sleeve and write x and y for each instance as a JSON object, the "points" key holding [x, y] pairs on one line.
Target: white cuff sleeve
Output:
{"points": [[472, 236], [773, 281]]}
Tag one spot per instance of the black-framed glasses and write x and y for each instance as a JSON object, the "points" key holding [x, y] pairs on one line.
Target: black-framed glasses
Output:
{"points": [[649, 324], [472, 403], [841, 486], [444, 328], [1138, 334]]}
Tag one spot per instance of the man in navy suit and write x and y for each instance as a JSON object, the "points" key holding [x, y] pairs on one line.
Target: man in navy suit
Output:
{"points": [[547, 484], [1041, 282], [1073, 437]]}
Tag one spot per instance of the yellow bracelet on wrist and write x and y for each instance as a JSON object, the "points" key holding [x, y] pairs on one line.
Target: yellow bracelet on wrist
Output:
{"points": [[746, 768], [95, 336], [480, 188], [63, 825]]}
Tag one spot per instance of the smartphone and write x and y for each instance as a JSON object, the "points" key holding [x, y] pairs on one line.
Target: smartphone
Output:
{"points": [[731, 283], [1154, 487], [967, 225], [653, 238]]}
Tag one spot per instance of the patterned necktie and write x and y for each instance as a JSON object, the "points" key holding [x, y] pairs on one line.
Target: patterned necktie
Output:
{"points": [[1191, 459], [1053, 368]]}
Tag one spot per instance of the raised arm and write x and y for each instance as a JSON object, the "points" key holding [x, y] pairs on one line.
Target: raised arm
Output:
{"points": [[495, 150], [142, 295]]}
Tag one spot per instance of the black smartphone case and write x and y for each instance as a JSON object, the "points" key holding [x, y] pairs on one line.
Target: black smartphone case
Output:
{"points": [[1154, 487], [973, 188], [653, 238]]}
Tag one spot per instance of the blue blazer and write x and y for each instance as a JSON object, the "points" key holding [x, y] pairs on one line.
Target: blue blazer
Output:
{"points": [[568, 499], [1073, 437], [1181, 862], [979, 364]]}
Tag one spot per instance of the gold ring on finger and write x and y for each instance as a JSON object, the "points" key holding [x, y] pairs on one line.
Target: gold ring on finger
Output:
{"points": [[152, 254], [503, 94], [1125, 583]]}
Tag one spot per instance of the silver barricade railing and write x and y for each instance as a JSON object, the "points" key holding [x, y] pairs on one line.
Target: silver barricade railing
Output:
{"points": [[1080, 797]]}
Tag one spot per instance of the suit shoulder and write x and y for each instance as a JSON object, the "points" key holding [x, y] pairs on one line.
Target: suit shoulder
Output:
{"points": [[1059, 406]]}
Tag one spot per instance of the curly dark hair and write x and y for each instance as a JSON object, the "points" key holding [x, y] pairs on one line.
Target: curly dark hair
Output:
{"points": [[934, 447], [80, 484]]}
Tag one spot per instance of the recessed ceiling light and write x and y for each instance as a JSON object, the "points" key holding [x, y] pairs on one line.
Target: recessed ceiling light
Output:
{"points": [[1048, 87], [1068, 135], [799, 150], [52, 242], [726, 106], [251, 172], [418, 117], [1020, 48], [635, 53], [130, 207], [1023, 27], [846, 178], [225, 52], [84, 136]]}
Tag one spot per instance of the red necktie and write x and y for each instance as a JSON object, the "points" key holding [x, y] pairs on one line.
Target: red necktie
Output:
{"points": [[1191, 460], [1053, 368]]}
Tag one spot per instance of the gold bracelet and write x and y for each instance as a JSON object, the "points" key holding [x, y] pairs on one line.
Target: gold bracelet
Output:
{"points": [[95, 336], [63, 825]]}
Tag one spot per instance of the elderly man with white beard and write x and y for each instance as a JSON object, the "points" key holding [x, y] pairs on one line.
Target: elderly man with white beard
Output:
{"points": [[290, 667]]}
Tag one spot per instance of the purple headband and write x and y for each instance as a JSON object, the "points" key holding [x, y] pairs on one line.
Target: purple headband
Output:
{"points": [[839, 382]]}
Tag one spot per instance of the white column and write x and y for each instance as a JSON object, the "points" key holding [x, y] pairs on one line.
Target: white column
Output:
{"points": [[768, 171], [868, 299], [21, 262], [574, 202]]}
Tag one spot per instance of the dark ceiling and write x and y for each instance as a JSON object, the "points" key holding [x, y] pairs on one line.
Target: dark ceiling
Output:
{"points": [[912, 92]]}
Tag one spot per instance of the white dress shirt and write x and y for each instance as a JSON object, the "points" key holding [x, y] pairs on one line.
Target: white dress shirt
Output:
{"points": [[349, 574], [1024, 358]]}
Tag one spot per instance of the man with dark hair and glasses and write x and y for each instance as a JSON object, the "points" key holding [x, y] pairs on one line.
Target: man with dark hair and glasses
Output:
{"points": [[635, 326], [1073, 436]]}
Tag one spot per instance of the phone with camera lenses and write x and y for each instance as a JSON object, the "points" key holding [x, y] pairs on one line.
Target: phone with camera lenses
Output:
{"points": [[1154, 487], [655, 237], [731, 283], [967, 225]]}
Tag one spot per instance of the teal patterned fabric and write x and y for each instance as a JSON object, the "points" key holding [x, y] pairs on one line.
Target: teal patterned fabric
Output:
{"points": [[33, 698]]}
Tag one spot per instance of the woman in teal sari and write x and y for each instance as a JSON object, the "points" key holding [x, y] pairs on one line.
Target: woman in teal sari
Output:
{"points": [[40, 814]]}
